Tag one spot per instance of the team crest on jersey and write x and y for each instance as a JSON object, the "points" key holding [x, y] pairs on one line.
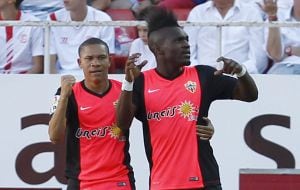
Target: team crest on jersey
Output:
{"points": [[191, 86]]}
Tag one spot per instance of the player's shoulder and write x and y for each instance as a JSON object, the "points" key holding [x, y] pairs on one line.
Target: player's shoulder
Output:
{"points": [[205, 69]]}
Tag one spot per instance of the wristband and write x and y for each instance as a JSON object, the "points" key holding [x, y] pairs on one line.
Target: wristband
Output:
{"points": [[242, 72], [128, 86]]}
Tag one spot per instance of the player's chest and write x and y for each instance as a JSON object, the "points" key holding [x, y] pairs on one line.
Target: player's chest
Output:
{"points": [[170, 96]]}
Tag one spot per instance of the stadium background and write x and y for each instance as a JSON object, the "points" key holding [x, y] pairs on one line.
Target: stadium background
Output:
{"points": [[27, 159]]}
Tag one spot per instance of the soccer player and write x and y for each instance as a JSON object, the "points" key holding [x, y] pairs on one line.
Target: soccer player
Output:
{"points": [[21, 46], [84, 114], [172, 99]]}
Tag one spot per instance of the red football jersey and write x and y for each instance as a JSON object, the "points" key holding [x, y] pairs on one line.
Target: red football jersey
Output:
{"points": [[97, 149], [172, 110]]}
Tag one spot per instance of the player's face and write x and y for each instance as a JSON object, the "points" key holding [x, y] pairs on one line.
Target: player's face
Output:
{"points": [[143, 33], [71, 5], [175, 46], [95, 62]]}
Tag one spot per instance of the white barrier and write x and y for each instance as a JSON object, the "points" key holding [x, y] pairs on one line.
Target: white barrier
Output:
{"points": [[275, 115], [48, 24]]}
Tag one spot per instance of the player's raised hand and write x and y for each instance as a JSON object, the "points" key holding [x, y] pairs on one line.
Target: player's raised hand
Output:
{"points": [[229, 67], [132, 68], [67, 81]]}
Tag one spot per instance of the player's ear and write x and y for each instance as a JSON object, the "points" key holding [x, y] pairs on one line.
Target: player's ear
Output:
{"points": [[159, 50], [155, 48]]}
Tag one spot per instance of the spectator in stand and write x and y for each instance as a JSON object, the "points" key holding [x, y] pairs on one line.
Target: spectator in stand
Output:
{"points": [[243, 44], [41, 8], [66, 40], [283, 45], [140, 45], [21, 47], [124, 36]]}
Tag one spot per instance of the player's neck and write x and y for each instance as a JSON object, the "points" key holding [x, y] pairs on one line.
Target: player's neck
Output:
{"points": [[9, 14], [169, 73], [99, 87], [78, 14]]}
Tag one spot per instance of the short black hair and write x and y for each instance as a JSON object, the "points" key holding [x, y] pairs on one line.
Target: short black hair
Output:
{"points": [[92, 41], [160, 17], [18, 3]]}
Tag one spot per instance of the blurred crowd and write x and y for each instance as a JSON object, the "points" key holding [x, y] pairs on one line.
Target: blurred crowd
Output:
{"points": [[262, 50]]}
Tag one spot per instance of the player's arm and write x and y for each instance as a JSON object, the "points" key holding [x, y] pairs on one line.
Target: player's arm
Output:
{"points": [[245, 89], [58, 121], [126, 108]]}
